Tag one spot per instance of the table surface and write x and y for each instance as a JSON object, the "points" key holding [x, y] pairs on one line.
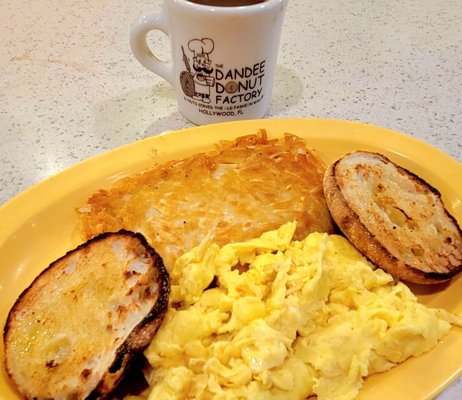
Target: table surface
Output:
{"points": [[70, 88]]}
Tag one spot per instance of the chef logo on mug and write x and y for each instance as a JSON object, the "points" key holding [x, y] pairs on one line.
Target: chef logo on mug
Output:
{"points": [[197, 84], [232, 89]]}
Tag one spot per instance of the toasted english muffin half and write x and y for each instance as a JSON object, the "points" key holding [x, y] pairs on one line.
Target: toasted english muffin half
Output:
{"points": [[75, 330], [394, 218]]}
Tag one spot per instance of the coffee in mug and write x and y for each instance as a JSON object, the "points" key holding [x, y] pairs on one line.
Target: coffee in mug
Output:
{"points": [[226, 3], [224, 55]]}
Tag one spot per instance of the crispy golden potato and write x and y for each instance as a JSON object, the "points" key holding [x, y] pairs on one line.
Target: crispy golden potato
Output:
{"points": [[234, 193]]}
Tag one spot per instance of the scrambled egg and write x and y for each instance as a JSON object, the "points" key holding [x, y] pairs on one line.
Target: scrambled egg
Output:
{"points": [[273, 318]]}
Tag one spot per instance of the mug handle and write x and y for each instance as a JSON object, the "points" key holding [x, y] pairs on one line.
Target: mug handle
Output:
{"points": [[146, 23]]}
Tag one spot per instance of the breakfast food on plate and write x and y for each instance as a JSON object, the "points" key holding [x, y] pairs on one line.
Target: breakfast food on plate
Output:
{"points": [[276, 318], [394, 218], [75, 330], [265, 301], [238, 191]]}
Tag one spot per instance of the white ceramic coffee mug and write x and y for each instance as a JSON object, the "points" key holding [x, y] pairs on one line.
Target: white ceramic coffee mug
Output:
{"points": [[223, 57]]}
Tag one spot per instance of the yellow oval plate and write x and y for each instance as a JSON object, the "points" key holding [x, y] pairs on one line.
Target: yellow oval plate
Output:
{"points": [[40, 225]]}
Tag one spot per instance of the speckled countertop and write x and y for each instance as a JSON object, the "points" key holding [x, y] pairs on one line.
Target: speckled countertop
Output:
{"points": [[70, 88]]}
